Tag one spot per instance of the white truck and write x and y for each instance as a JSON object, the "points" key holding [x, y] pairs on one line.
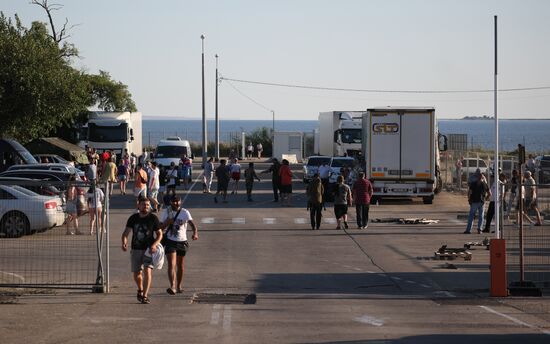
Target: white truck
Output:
{"points": [[340, 133], [401, 148], [115, 131]]}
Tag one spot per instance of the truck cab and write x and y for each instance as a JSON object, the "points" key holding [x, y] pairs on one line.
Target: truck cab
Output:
{"points": [[115, 131]]}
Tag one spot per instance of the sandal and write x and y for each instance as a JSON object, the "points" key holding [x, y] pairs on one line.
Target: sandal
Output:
{"points": [[140, 295], [179, 291], [145, 300], [170, 291]]}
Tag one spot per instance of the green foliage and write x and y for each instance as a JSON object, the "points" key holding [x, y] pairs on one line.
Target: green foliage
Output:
{"points": [[109, 95], [261, 135], [39, 90]]}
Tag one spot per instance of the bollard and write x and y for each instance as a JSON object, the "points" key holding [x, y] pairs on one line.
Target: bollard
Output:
{"points": [[499, 286]]}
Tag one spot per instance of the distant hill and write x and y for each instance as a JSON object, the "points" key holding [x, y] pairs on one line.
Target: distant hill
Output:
{"points": [[484, 117]]}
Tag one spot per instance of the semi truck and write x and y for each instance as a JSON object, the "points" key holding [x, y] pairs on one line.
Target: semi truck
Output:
{"points": [[340, 133], [118, 132], [401, 146]]}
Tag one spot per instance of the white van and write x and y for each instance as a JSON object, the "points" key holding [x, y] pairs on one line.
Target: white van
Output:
{"points": [[171, 150]]}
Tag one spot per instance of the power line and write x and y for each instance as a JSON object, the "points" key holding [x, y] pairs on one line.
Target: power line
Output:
{"points": [[244, 95], [381, 91]]}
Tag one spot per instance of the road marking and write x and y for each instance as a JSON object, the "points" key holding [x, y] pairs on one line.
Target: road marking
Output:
{"points": [[458, 222], [370, 272], [215, 315], [330, 220], [300, 221], [357, 269], [227, 318], [444, 293], [269, 220], [396, 278], [239, 220], [207, 220], [517, 321], [367, 319], [425, 286], [411, 282]]}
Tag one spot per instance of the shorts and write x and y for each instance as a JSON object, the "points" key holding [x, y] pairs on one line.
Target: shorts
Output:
{"points": [[340, 210], [153, 193], [162, 189], [222, 186], [180, 247], [142, 192], [121, 177], [171, 187], [71, 207], [140, 260], [235, 175], [530, 203], [287, 189]]}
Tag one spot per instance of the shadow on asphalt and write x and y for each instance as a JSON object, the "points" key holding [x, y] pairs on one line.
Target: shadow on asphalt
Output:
{"points": [[451, 339]]}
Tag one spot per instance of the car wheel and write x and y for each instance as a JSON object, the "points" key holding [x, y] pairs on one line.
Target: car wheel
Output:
{"points": [[14, 224]]}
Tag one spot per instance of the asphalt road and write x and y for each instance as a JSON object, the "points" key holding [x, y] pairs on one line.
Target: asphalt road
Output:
{"points": [[378, 285]]}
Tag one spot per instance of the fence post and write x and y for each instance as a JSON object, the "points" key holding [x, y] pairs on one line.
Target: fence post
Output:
{"points": [[499, 286]]}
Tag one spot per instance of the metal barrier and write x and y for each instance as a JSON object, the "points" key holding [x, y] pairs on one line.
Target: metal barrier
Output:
{"points": [[535, 254], [45, 236]]}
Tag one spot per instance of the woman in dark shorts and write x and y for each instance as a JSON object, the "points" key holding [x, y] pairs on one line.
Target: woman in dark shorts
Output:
{"points": [[342, 199]]}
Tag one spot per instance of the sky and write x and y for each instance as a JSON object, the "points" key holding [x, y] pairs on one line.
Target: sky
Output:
{"points": [[155, 48]]}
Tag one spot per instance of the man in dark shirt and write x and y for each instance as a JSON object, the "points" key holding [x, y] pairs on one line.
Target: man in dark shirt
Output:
{"points": [[222, 174], [477, 193], [275, 178], [142, 226]]}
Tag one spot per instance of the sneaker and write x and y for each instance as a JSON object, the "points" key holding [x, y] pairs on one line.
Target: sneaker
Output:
{"points": [[466, 232], [170, 291], [179, 291], [366, 226], [145, 300], [140, 295], [338, 227], [478, 231]]}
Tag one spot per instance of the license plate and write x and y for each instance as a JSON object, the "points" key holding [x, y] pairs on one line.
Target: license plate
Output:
{"points": [[400, 190]]}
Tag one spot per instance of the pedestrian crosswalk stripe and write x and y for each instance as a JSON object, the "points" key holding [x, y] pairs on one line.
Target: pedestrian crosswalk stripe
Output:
{"points": [[238, 220], [330, 220], [207, 220], [269, 220], [300, 221]]}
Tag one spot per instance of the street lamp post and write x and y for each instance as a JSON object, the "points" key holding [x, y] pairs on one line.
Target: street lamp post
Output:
{"points": [[217, 125], [204, 138], [273, 133]]}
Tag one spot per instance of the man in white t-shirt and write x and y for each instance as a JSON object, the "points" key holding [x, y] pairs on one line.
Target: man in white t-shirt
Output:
{"points": [[174, 221], [171, 177], [154, 186]]}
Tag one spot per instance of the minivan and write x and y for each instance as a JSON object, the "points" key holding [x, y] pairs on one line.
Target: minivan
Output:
{"points": [[171, 150], [13, 153]]}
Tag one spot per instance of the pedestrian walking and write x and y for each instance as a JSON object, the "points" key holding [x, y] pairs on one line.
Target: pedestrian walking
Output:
{"points": [[235, 169], [531, 197], [109, 175], [249, 150], [342, 200], [175, 220], [491, 210], [207, 175], [324, 174], [477, 193], [362, 193], [222, 175], [91, 172], [140, 184], [285, 175], [275, 179], [72, 208], [95, 198], [185, 170], [172, 179], [122, 175], [259, 149], [315, 205], [514, 183], [249, 176], [143, 226], [154, 185]]}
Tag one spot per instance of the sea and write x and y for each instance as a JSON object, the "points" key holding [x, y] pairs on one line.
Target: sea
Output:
{"points": [[533, 134]]}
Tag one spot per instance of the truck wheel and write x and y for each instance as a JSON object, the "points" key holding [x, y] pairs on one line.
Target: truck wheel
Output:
{"points": [[428, 199]]}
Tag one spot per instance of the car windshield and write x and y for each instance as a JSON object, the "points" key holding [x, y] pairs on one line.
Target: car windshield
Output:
{"points": [[342, 163], [170, 151], [351, 135], [318, 161], [24, 190]]}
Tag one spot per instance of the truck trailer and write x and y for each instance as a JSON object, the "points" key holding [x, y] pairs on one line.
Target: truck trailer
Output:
{"points": [[115, 131], [401, 147], [340, 133]]}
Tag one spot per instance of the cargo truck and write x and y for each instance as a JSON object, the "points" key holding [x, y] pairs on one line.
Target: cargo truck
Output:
{"points": [[339, 133], [401, 148], [115, 131]]}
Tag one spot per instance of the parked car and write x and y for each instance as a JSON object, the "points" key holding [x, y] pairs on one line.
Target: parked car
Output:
{"points": [[470, 165], [50, 158], [542, 169], [35, 185], [312, 166], [51, 167], [22, 212], [336, 166], [61, 178]]}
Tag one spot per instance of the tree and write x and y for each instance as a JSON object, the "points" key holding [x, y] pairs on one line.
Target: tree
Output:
{"points": [[39, 90], [109, 95], [261, 135]]}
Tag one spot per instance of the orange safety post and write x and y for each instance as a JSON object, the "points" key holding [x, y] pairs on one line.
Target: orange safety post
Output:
{"points": [[499, 287]]}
